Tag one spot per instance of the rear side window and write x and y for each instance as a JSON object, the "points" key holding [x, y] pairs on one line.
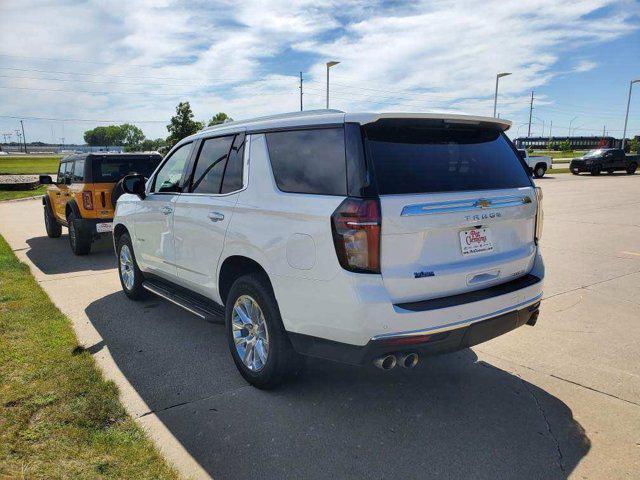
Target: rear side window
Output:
{"points": [[309, 161], [207, 177], [413, 156], [110, 169], [78, 171]]}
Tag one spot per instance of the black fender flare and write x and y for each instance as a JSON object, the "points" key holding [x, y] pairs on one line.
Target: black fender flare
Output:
{"points": [[73, 206]]}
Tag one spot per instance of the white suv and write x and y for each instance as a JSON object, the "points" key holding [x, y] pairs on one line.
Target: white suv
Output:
{"points": [[362, 238]]}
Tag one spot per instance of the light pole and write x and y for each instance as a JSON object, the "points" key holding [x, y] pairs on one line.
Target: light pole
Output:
{"points": [[329, 65], [495, 96], [626, 117], [570, 123]]}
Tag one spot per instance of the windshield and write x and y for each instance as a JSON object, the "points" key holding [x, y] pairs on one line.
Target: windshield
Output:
{"points": [[414, 156], [594, 153], [109, 169]]}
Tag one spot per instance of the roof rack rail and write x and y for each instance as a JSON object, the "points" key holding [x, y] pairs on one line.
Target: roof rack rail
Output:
{"points": [[303, 113]]}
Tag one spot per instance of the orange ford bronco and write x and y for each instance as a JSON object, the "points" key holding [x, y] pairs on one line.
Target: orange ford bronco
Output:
{"points": [[83, 198]]}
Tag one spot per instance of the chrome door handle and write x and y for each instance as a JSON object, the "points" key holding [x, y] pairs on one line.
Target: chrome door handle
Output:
{"points": [[216, 216], [166, 209]]}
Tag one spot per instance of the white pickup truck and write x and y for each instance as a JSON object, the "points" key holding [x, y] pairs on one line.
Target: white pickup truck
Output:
{"points": [[539, 165]]}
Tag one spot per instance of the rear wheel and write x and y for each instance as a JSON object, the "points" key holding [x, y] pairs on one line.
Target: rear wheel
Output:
{"points": [[595, 171], [610, 172], [258, 342], [631, 169], [539, 171], [51, 225], [80, 242], [130, 275]]}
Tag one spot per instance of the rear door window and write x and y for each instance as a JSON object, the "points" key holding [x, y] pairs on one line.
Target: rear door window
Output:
{"points": [[232, 180], [110, 169], [414, 156], [207, 176], [309, 161], [78, 171]]}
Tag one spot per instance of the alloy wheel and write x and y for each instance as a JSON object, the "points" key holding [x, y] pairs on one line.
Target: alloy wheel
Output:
{"points": [[126, 267], [250, 333]]}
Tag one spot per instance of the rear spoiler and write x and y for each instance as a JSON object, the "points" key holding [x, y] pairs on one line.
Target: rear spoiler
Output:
{"points": [[364, 118]]}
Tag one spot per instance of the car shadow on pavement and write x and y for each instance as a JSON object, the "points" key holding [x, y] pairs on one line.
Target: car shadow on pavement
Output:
{"points": [[54, 255], [451, 417]]}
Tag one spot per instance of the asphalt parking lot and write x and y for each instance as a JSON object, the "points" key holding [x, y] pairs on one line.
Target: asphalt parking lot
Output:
{"points": [[558, 400]]}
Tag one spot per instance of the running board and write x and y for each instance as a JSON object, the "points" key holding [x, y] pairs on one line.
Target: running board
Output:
{"points": [[205, 309]]}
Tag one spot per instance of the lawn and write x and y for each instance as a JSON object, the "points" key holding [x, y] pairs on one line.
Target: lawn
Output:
{"points": [[58, 417], [13, 194], [29, 164], [558, 154]]}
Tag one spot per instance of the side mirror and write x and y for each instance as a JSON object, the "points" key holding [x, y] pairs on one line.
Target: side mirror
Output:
{"points": [[134, 184], [45, 180]]}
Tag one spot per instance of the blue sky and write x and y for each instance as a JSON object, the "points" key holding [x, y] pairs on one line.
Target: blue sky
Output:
{"points": [[70, 66]]}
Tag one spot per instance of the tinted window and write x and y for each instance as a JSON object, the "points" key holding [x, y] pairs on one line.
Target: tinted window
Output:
{"points": [[207, 177], [425, 156], [61, 171], [309, 161], [78, 171], [169, 176], [232, 180], [110, 169]]}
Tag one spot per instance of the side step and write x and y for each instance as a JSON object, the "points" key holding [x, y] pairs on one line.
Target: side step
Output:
{"points": [[205, 309]]}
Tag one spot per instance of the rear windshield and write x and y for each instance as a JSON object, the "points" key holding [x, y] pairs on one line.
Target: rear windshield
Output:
{"points": [[111, 169], [416, 156]]}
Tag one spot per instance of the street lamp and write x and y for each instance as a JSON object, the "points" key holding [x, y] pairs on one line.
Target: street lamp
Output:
{"points": [[571, 122], [495, 96], [329, 65], [626, 117]]}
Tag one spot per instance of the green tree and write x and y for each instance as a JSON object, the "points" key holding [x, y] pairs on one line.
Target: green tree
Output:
{"points": [[634, 145], [565, 146], [182, 124], [132, 136], [149, 145], [219, 118]]}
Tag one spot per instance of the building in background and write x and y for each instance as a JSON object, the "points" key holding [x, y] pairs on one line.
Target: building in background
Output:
{"points": [[576, 143]]}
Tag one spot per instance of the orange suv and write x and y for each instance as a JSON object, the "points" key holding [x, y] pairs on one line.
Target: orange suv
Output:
{"points": [[84, 196]]}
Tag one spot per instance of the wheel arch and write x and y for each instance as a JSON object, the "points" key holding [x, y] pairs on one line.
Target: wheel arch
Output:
{"points": [[235, 266], [118, 231], [72, 206]]}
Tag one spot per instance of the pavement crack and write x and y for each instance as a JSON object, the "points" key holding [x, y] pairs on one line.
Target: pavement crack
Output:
{"points": [[585, 287], [548, 425], [195, 400]]}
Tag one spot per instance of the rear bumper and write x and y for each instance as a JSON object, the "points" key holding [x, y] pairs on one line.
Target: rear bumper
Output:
{"points": [[89, 226], [423, 343]]}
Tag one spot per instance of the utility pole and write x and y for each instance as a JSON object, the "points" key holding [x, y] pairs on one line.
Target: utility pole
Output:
{"points": [[300, 91], [550, 128], [24, 139], [530, 114], [626, 117]]}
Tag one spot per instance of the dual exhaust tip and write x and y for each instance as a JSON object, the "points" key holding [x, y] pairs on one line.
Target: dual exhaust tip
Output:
{"points": [[405, 360]]}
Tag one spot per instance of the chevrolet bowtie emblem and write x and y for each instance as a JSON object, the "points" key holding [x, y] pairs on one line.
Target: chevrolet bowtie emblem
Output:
{"points": [[483, 203]]}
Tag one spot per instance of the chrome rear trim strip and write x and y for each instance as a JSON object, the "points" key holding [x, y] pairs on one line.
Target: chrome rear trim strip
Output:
{"points": [[465, 205], [454, 325]]}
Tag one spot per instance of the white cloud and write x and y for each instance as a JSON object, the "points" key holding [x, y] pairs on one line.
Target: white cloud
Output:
{"points": [[243, 57]]}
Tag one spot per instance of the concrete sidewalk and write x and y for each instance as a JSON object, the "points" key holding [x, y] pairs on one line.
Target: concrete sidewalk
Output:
{"points": [[559, 400]]}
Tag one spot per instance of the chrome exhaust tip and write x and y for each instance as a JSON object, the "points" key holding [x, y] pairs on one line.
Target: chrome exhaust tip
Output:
{"points": [[408, 360], [385, 362]]}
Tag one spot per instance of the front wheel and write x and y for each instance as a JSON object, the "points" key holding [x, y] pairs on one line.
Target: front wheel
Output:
{"points": [[595, 171], [631, 169], [130, 275], [258, 342], [51, 225]]}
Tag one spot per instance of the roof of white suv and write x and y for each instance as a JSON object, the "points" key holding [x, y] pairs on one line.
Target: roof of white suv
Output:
{"points": [[323, 117]]}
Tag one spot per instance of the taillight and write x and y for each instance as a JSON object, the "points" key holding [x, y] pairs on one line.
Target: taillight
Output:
{"points": [[87, 200], [356, 234], [539, 215]]}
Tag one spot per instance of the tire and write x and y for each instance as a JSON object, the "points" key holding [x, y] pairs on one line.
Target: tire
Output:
{"points": [[575, 173], [610, 172], [539, 171], [631, 169], [595, 171], [51, 225], [131, 277], [278, 361], [80, 244]]}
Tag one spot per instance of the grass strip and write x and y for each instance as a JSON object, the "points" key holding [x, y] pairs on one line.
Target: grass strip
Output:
{"points": [[14, 194], [58, 417], [29, 165]]}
